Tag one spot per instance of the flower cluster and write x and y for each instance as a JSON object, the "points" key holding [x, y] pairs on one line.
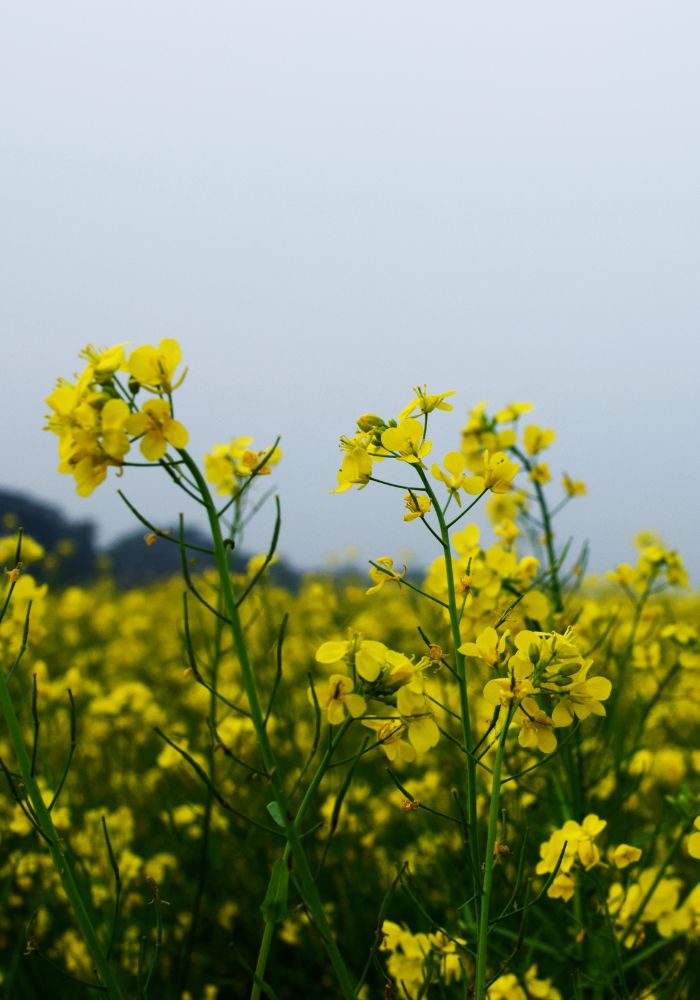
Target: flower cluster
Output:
{"points": [[416, 960], [542, 668], [96, 418], [392, 681], [227, 466]]}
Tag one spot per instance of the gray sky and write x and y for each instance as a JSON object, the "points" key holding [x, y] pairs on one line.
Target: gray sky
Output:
{"points": [[329, 203]]}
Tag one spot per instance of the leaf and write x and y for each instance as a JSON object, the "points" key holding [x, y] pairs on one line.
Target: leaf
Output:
{"points": [[274, 811], [274, 905]]}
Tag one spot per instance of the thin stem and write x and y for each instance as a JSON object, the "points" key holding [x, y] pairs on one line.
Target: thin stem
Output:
{"points": [[62, 865], [489, 862], [304, 875]]}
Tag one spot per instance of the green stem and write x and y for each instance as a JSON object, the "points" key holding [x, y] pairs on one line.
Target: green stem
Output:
{"points": [[548, 534], [460, 665], [304, 875], [489, 863], [268, 933], [103, 967]]}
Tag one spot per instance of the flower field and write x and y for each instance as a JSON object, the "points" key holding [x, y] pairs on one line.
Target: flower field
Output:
{"points": [[479, 780]]}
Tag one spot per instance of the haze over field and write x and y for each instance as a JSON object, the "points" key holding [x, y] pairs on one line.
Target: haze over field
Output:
{"points": [[329, 204]]}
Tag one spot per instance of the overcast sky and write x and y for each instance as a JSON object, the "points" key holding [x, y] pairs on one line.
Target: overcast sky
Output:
{"points": [[328, 203]]}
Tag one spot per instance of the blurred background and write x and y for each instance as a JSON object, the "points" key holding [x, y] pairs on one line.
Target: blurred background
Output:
{"points": [[327, 204]]}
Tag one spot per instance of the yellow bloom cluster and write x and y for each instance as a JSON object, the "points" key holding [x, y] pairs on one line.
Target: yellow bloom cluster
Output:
{"points": [[416, 960], [96, 418], [228, 465], [388, 678]]}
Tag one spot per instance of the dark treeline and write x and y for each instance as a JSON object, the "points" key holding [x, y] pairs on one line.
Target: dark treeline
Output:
{"points": [[73, 556]]}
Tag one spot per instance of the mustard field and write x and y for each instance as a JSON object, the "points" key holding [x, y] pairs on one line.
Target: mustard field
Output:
{"points": [[477, 780]]}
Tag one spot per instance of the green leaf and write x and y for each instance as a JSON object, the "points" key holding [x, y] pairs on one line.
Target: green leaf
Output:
{"points": [[274, 905], [274, 811]]}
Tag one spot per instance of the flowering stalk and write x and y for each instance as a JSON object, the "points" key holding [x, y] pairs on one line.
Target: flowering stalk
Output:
{"points": [[305, 879], [460, 664], [489, 862], [45, 826], [266, 942]]}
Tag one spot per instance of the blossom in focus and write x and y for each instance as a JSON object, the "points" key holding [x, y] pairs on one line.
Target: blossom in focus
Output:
{"points": [[426, 402], [454, 478], [386, 574], [368, 655], [389, 733], [158, 427], [154, 367], [338, 698], [417, 505], [489, 646], [407, 440], [496, 474]]}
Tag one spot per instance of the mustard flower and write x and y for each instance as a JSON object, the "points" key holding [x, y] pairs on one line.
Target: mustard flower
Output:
{"points": [[103, 362], [512, 412], [581, 697], [154, 367], [489, 646], [454, 478], [417, 505], [624, 855], [536, 439], [389, 733], [386, 575], [369, 655], [694, 840], [356, 465], [426, 402], [414, 709], [540, 474], [536, 731], [496, 474], [407, 440], [158, 427], [573, 487], [505, 691], [339, 699], [226, 464]]}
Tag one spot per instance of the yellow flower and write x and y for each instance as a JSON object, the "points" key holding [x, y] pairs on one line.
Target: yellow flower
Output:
{"points": [[581, 698], [511, 412], [338, 698], [154, 367], [407, 440], [573, 487], [624, 855], [226, 464], [414, 708], [497, 473], [454, 477], [536, 731], [417, 505], [369, 655], [389, 736], [386, 575], [536, 439], [158, 427], [694, 840], [489, 646], [103, 362], [356, 466], [113, 419], [426, 403], [540, 474]]}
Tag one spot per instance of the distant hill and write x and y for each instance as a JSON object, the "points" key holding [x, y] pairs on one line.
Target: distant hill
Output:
{"points": [[72, 556]]}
